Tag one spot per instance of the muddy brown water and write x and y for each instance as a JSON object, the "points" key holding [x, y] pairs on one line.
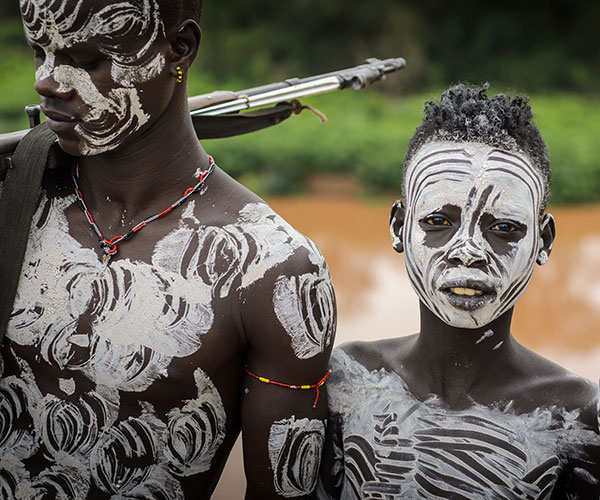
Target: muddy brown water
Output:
{"points": [[558, 317]]}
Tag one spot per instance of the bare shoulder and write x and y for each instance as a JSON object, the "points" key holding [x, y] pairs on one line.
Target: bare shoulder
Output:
{"points": [[545, 383], [277, 279], [379, 354]]}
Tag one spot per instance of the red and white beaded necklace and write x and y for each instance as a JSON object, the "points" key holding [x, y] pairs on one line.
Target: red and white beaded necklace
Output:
{"points": [[109, 246]]}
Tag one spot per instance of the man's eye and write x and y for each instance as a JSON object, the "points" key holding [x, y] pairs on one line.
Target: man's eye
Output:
{"points": [[85, 64], [39, 54], [504, 227], [436, 220]]}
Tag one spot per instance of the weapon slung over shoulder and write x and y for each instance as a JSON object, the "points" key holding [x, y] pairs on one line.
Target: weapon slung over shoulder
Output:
{"points": [[217, 114]]}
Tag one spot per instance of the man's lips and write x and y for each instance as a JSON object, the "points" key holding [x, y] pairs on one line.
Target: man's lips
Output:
{"points": [[60, 122], [58, 116]]}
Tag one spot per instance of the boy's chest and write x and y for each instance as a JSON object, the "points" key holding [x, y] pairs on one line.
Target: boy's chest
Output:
{"points": [[122, 323], [411, 448]]}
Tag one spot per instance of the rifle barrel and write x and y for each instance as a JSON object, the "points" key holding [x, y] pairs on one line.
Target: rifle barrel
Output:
{"points": [[247, 101], [357, 77]]}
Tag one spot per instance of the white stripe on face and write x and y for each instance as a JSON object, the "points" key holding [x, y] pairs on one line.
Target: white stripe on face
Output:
{"points": [[123, 33], [472, 229]]}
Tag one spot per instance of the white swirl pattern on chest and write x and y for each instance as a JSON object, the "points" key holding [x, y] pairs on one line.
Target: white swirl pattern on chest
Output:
{"points": [[138, 318]]}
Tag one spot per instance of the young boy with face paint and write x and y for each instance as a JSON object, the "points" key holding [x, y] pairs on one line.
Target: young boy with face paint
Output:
{"points": [[462, 410], [152, 281]]}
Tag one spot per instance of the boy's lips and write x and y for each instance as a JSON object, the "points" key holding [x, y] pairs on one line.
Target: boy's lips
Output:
{"points": [[468, 295]]}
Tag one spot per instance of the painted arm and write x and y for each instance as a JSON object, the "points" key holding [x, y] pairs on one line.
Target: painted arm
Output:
{"points": [[580, 477], [289, 318], [331, 474]]}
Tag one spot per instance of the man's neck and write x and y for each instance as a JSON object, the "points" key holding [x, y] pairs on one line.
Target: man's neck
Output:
{"points": [[462, 363], [148, 172]]}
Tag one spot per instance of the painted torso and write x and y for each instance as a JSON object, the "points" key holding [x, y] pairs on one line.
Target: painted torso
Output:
{"points": [[394, 446], [124, 381]]}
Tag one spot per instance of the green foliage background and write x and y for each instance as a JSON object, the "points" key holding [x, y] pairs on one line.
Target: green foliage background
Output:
{"points": [[550, 54]]}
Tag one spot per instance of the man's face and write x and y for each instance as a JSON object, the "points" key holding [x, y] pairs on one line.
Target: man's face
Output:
{"points": [[95, 62], [472, 233]]}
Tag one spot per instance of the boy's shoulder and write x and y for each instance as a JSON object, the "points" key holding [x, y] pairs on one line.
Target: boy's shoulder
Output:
{"points": [[376, 355], [545, 383]]}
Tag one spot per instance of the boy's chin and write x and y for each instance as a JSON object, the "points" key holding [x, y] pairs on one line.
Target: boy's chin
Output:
{"points": [[460, 318]]}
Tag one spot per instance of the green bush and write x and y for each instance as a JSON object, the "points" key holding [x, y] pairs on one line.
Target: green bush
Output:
{"points": [[365, 137]]}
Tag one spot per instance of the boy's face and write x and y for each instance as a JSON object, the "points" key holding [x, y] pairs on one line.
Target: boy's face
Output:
{"points": [[472, 229], [95, 63]]}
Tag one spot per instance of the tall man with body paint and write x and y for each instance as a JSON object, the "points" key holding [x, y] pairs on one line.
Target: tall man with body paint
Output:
{"points": [[123, 368], [461, 410]]}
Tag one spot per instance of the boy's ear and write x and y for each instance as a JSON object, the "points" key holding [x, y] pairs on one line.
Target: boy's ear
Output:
{"points": [[397, 215], [547, 235]]}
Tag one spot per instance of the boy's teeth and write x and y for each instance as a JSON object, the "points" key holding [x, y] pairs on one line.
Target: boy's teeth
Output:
{"points": [[465, 291]]}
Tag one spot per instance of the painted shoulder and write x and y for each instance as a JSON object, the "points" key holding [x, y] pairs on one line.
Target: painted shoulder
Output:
{"points": [[379, 354], [241, 232], [366, 366]]}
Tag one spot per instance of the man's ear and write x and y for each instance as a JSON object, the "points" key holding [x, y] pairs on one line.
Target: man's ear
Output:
{"points": [[547, 235], [397, 215], [185, 40]]}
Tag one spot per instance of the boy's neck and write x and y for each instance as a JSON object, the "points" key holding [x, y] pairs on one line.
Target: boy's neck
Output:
{"points": [[462, 363]]}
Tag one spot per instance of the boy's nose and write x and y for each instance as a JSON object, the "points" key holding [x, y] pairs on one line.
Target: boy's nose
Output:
{"points": [[467, 253]]}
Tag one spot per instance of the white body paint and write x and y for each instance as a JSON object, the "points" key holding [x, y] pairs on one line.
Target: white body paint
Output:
{"points": [[295, 454], [405, 448], [110, 118], [305, 306], [192, 436], [143, 316], [486, 335], [459, 174]]}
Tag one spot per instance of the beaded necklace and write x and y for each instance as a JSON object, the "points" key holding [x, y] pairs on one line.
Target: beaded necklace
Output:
{"points": [[109, 246]]}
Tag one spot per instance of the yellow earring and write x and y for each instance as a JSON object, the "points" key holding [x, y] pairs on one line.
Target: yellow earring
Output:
{"points": [[179, 77]]}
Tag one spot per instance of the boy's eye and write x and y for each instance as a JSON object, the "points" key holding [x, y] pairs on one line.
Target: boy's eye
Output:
{"points": [[436, 220], [503, 227]]}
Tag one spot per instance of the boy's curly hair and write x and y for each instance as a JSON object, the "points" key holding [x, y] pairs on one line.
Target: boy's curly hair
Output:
{"points": [[466, 113]]}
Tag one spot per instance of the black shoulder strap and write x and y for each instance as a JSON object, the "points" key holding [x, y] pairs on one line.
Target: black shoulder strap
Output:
{"points": [[20, 194]]}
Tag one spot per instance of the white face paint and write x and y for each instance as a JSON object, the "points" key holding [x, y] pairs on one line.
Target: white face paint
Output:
{"points": [[295, 453], [472, 229], [65, 34]]}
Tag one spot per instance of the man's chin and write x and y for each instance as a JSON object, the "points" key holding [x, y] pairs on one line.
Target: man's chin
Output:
{"points": [[79, 147], [71, 146]]}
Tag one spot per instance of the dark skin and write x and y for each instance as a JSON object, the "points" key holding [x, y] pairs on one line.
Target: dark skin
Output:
{"points": [[144, 174], [461, 373], [467, 366]]}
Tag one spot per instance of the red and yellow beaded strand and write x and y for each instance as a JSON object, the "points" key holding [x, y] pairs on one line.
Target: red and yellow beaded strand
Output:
{"points": [[316, 386], [109, 246]]}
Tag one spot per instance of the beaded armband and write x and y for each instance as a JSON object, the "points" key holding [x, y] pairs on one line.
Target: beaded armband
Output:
{"points": [[316, 386]]}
